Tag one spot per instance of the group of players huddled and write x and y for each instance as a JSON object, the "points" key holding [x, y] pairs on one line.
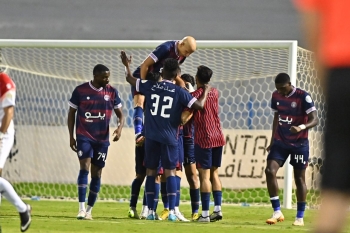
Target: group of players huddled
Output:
{"points": [[177, 126]]}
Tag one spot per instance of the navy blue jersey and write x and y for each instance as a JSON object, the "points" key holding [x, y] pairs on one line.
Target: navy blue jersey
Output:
{"points": [[94, 110], [292, 111], [166, 50], [164, 102]]}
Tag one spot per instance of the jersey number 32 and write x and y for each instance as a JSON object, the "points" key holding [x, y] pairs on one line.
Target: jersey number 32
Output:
{"points": [[166, 103]]}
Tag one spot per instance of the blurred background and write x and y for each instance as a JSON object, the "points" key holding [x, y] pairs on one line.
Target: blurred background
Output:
{"points": [[149, 19]]}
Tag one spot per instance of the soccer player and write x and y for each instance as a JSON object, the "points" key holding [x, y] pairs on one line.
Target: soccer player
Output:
{"points": [[164, 104], [140, 169], [23, 209], [326, 25], [208, 143], [91, 106], [178, 50], [189, 158], [7, 130], [295, 113]]}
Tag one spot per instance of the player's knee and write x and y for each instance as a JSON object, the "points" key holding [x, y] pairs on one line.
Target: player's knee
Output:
{"points": [[270, 171], [299, 181], [193, 181], [140, 177]]}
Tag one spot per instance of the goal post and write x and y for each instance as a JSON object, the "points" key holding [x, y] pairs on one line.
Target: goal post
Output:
{"points": [[46, 72]]}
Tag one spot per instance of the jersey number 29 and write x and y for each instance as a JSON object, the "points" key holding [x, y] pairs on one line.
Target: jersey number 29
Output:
{"points": [[167, 103]]}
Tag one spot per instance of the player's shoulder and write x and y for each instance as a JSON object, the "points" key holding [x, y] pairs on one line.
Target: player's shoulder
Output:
{"points": [[301, 93], [5, 79], [167, 44]]}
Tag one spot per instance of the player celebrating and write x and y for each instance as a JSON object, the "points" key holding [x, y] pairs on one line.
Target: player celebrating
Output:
{"points": [[24, 210], [164, 103], [295, 113], [93, 102], [178, 50], [208, 143], [190, 161], [7, 130]]}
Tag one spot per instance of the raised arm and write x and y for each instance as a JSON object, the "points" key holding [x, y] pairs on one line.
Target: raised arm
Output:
{"points": [[126, 62], [119, 113]]}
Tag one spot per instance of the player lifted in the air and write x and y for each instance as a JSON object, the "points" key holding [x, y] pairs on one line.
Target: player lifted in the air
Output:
{"points": [[178, 50], [91, 108], [208, 144], [164, 102], [295, 113]]}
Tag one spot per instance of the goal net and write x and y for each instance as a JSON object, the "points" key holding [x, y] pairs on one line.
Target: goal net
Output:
{"points": [[46, 72]]}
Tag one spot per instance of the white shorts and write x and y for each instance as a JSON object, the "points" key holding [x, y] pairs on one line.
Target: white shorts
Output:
{"points": [[5, 147]]}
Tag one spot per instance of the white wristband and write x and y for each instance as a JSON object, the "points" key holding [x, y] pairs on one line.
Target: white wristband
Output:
{"points": [[302, 127]]}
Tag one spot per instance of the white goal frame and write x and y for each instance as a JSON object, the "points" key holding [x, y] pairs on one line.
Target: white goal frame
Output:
{"points": [[292, 45]]}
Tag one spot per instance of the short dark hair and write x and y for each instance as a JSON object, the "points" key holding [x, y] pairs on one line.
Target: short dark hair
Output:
{"points": [[282, 78], [188, 78], [170, 68], [99, 68], [204, 74], [153, 76]]}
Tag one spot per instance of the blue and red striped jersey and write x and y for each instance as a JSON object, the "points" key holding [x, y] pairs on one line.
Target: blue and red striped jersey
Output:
{"points": [[94, 110], [292, 111], [165, 50]]}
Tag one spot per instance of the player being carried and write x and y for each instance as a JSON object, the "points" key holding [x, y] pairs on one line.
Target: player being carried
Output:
{"points": [[208, 144], [295, 113], [178, 50], [164, 104], [91, 106]]}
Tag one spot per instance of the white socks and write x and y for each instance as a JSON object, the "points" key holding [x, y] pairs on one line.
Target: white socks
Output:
{"points": [[10, 194], [82, 206]]}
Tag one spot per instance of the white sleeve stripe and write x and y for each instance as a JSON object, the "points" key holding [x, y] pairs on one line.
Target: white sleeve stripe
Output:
{"points": [[154, 57], [274, 110], [191, 102], [310, 110], [118, 106], [138, 85], [72, 105]]}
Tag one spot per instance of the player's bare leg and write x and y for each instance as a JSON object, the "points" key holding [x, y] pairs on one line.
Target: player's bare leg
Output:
{"points": [[95, 186], [272, 187], [217, 193], [301, 192], [135, 194], [333, 213], [193, 181], [205, 188], [171, 190], [82, 186], [138, 117]]}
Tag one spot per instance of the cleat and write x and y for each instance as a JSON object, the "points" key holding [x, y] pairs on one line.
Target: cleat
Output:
{"points": [[133, 213], [277, 216], [26, 218], [195, 216], [81, 215], [172, 218], [88, 216], [144, 212], [180, 217], [164, 215], [156, 217], [150, 217], [215, 216], [203, 219], [298, 222]]}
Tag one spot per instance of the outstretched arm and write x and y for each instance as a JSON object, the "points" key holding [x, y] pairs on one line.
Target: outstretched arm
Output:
{"points": [[118, 131], [126, 62], [145, 66]]}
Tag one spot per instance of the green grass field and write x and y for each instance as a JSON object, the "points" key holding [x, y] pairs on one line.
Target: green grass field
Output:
{"points": [[59, 216]]}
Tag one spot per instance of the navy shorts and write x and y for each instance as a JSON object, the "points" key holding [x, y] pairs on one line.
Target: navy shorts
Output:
{"points": [[299, 156], [208, 157], [139, 160], [188, 145], [155, 151], [96, 151]]}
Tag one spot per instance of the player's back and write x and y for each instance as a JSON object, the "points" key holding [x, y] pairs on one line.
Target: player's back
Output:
{"points": [[165, 50], [164, 104], [208, 132]]}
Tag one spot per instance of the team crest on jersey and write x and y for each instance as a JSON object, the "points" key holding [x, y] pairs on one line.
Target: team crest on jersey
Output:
{"points": [[8, 86], [107, 97], [308, 99], [80, 153], [294, 104]]}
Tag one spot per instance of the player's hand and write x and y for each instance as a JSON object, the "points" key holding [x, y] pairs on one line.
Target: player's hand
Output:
{"points": [[268, 148], [118, 134], [73, 145], [125, 60], [140, 139], [295, 129]]}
